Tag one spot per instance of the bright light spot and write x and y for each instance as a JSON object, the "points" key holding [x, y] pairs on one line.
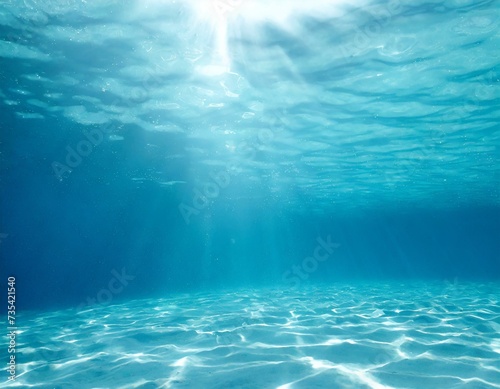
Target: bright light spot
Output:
{"points": [[277, 12], [286, 386], [213, 70], [181, 362], [223, 15], [318, 364]]}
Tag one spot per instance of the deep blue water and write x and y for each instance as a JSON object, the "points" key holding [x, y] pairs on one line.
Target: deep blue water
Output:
{"points": [[164, 150]]}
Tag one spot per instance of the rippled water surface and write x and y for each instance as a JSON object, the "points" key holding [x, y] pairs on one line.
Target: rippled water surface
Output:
{"points": [[371, 103]]}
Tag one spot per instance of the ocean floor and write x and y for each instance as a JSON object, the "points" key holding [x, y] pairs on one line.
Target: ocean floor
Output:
{"points": [[434, 335]]}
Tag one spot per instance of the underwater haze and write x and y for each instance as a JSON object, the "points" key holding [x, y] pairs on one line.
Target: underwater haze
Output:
{"points": [[250, 194]]}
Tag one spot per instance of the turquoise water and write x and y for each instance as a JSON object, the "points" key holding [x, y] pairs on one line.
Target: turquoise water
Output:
{"points": [[440, 335], [232, 193]]}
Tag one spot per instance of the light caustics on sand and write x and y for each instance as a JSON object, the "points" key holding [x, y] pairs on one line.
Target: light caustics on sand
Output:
{"points": [[362, 336]]}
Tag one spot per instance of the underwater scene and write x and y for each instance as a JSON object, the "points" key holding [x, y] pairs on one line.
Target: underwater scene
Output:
{"points": [[250, 194]]}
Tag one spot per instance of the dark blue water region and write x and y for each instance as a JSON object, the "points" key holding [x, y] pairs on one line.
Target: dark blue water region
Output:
{"points": [[67, 243]]}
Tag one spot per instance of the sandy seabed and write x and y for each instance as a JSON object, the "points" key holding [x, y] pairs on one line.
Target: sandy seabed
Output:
{"points": [[377, 335]]}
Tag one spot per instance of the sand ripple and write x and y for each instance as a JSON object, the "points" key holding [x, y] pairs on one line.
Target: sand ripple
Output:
{"points": [[342, 336]]}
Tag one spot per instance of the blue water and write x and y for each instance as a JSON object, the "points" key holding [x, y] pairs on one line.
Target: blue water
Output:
{"points": [[241, 194]]}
